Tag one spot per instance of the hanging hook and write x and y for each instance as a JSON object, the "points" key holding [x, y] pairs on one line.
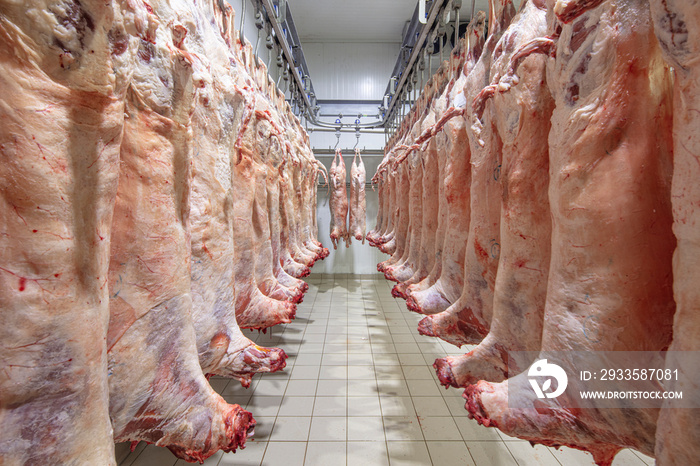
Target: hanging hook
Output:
{"points": [[260, 24], [337, 132], [270, 44], [255, 51], [240, 29], [283, 75], [457, 7], [357, 133]]}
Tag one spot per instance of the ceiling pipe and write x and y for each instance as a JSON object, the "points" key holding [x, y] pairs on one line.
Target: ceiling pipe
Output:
{"points": [[286, 50], [435, 9], [416, 48]]}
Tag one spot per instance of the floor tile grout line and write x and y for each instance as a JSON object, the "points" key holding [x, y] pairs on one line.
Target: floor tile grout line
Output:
{"points": [[284, 396], [381, 412]]}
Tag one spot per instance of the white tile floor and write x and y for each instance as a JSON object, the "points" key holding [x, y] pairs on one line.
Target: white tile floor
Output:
{"points": [[359, 389]]}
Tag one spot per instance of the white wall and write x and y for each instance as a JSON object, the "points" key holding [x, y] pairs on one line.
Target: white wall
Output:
{"points": [[350, 71]]}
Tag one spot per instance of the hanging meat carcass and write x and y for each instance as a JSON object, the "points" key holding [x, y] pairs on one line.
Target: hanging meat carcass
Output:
{"points": [[358, 198], [266, 134], [303, 253], [391, 239], [467, 321], [292, 263], [439, 193], [610, 278], [408, 154], [425, 249], [448, 287], [522, 120], [223, 350], [379, 179], [144, 94], [279, 151], [63, 86], [677, 27], [157, 390], [338, 201], [254, 308], [308, 171]]}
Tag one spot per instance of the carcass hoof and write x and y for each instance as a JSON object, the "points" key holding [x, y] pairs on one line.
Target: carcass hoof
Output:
{"points": [[425, 327], [399, 291], [389, 276], [298, 297], [444, 373], [290, 313], [412, 305], [473, 405]]}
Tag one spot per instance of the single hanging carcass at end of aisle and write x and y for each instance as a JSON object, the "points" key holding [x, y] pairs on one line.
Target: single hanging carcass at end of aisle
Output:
{"points": [[338, 201], [358, 198]]}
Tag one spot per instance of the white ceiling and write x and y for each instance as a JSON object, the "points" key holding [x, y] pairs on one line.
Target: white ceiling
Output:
{"points": [[358, 20]]}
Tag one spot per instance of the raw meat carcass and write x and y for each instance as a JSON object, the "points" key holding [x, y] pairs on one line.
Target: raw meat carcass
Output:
{"points": [[387, 241], [268, 154], [379, 180], [223, 350], [306, 255], [395, 237], [338, 201], [298, 258], [426, 250], [610, 278], [273, 183], [62, 111], [265, 134], [441, 159], [677, 27], [467, 321], [358, 200], [292, 263], [254, 309], [309, 170], [457, 174], [411, 194], [522, 120], [157, 391]]}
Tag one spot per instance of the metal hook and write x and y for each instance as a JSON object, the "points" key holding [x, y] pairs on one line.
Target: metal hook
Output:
{"points": [[337, 132], [458, 6], [269, 43], [284, 74], [255, 51], [357, 133], [240, 29]]}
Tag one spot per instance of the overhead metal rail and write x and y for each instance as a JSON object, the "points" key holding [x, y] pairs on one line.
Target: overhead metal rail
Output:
{"points": [[402, 74], [282, 40], [278, 15]]}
